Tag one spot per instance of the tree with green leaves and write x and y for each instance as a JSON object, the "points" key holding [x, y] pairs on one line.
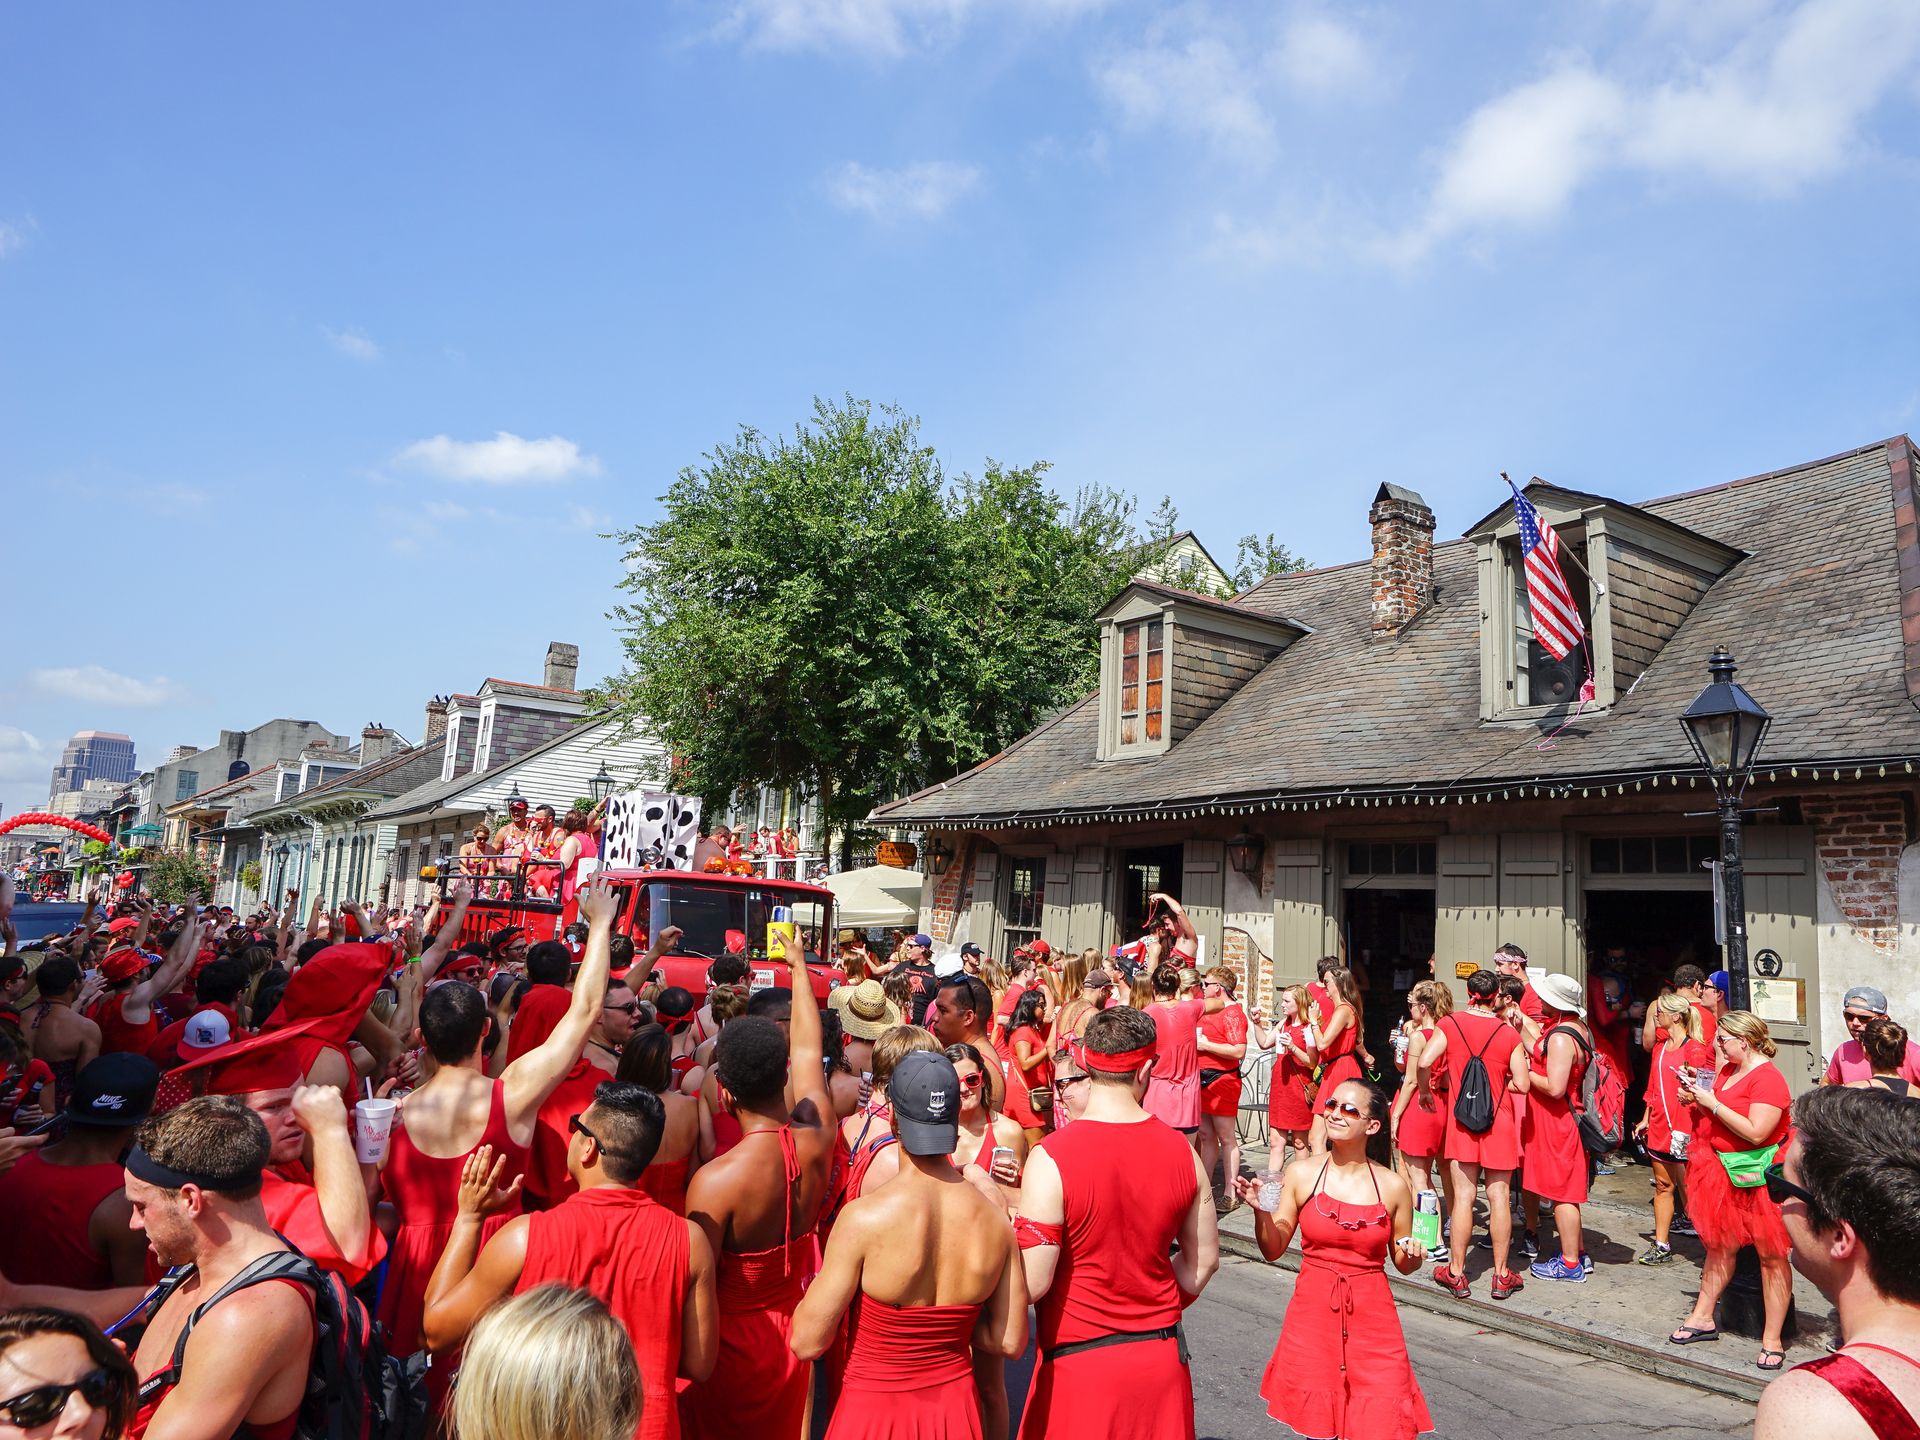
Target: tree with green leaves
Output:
{"points": [[825, 611], [173, 875]]}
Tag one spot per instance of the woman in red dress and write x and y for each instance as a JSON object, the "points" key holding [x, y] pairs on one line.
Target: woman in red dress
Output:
{"points": [[1667, 1127], [646, 1060], [1552, 1156], [1032, 1067], [1289, 1112], [1745, 1112], [1340, 1368], [1223, 1046], [1420, 1130]]}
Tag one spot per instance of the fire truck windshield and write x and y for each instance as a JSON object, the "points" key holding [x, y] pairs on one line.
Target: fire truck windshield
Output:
{"points": [[716, 919]]}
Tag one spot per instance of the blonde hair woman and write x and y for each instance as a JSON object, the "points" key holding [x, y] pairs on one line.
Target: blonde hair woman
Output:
{"points": [[1666, 1129], [552, 1364], [1419, 1129], [1743, 1120], [1141, 995]]}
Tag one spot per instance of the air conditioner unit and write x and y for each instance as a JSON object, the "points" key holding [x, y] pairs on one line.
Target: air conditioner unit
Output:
{"points": [[1551, 681]]}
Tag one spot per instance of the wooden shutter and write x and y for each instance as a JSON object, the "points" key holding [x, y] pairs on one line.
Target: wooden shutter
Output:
{"points": [[1299, 910], [1204, 883], [1782, 907]]}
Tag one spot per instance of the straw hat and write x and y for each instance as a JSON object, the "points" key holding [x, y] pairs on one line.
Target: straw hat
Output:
{"points": [[867, 1013]]}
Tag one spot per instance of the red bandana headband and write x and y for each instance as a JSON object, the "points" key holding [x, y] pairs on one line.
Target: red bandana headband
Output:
{"points": [[1124, 1063]]}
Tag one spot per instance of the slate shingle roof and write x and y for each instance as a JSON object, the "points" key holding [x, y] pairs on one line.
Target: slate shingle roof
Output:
{"points": [[1813, 615]]}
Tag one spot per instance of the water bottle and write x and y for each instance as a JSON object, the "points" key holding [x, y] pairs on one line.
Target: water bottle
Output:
{"points": [[1426, 1218]]}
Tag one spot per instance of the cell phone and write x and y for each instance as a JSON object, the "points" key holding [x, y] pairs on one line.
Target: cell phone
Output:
{"points": [[47, 1124], [998, 1152]]}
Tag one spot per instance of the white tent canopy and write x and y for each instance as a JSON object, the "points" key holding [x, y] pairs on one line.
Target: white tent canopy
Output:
{"points": [[879, 895]]}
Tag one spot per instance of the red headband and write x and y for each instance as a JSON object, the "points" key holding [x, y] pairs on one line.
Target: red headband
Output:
{"points": [[1124, 1063], [674, 1024]]}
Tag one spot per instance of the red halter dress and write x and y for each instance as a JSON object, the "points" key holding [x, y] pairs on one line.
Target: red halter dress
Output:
{"points": [[1340, 1367], [909, 1374]]}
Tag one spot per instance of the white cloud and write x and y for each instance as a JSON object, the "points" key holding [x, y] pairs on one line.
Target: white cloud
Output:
{"points": [[921, 191], [583, 517], [1196, 84], [97, 685], [506, 459], [171, 498], [1781, 108], [13, 238], [444, 510], [23, 757], [873, 29], [1320, 57], [353, 344]]}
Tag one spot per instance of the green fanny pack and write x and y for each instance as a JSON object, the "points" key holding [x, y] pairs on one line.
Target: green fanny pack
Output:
{"points": [[1747, 1169]]}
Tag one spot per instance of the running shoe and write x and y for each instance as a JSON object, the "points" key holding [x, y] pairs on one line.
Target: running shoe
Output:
{"points": [[1683, 1226], [1438, 1255], [1603, 1168], [1505, 1285], [1657, 1254], [1558, 1269], [1455, 1282], [1529, 1245], [1586, 1262]]}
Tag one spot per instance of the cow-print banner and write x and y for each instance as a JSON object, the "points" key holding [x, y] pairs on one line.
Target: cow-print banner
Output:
{"points": [[649, 830]]}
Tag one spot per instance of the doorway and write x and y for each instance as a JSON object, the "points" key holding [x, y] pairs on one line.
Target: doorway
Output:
{"points": [[1142, 872], [1655, 932], [1389, 935]]}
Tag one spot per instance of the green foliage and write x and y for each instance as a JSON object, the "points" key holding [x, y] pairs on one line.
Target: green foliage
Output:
{"points": [[176, 874], [95, 847], [1256, 558], [825, 611], [250, 876]]}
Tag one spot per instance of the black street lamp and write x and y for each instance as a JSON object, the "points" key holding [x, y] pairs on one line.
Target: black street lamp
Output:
{"points": [[1244, 852], [1725, 726], [601, 785], [939, 855]]}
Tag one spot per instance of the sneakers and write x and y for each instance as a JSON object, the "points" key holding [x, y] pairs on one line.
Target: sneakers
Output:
{"points": [[1505, 1285], [1452, 1280], [1529, 1245], [1604, 1167], [1683, 1226], [1657, 1254], [1438, 1255], [1586, 1263], [1558, 1269]]}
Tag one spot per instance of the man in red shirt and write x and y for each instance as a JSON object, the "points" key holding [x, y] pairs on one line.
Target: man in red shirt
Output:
{"points": [[1493, 1154], [653, 1269], [125, 1013], [1117, 1235], [69, 1220], [1511, 960]]}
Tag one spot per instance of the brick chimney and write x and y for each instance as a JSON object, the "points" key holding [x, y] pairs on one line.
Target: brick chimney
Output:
{"points": [[377, 743], [436, 718], [1402, 558], [563, 666]]}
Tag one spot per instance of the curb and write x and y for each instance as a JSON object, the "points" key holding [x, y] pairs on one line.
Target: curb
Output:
{"points": [[1646, 1359]]}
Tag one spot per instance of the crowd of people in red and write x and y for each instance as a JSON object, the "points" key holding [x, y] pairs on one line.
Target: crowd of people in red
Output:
{"points": [[579, 1204]]}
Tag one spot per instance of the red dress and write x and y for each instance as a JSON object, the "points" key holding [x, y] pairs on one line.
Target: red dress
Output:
{"points": [[666, 1181], [50, 1211], [1423, 1132], [758, 1389], [1019, 1106], [1470, 1033], [425, 1191], [1127, 1190], [1287, 1107], [626, 1248], [293, 1210], [1340, 1367], [1728, 1216], [1173, 1091], [909, 1374], [1338, 1061], [1555, 1165], [1221, 1095], [548, 1182], [1665, 1113]]}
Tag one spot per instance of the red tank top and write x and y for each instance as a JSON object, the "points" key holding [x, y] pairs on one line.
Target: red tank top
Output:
{"points": [[117, 1033], [150, 1401], [50, 1207], [666, 1181], [629, 1250], [1871, 1398], [1128, 1189]]}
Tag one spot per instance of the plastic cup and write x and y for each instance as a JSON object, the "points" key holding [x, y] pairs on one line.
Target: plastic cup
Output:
{"points": [[372, 1126], [1268, 1197]]}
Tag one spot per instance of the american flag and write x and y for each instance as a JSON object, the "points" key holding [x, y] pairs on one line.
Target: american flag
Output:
{"points": [[1556, 620]]}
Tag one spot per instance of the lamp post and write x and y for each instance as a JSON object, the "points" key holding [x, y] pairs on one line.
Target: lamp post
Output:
{"points": [[1725, 726], [600, 786]]}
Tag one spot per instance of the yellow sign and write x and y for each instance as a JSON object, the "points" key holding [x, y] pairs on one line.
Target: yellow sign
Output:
{"points": [[1463, 968]]}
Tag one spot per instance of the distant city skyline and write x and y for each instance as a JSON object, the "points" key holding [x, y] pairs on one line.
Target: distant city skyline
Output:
{"points": [[94, 755]]}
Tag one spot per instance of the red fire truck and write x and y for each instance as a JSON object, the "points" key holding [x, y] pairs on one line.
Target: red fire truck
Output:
{"points": [[716, 914]]}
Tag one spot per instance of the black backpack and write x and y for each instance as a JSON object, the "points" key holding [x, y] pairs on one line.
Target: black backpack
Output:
{"points": [[355, 1390], [1476, 1105]]}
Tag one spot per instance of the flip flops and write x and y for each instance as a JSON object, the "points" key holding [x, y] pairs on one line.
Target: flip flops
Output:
{"points": [[1777, 1357], [1693, 1334]]}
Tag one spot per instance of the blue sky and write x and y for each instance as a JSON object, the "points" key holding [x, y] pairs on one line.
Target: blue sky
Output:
{"points": [[331, 335]]}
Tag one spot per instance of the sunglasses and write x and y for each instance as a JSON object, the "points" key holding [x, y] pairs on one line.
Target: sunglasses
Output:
{"points": [[973, 1081], [37, 1407], [1065, 1083], [579, 1127], [1780, 1189], [1344, 1107], [632, 1007], [471, 975]]}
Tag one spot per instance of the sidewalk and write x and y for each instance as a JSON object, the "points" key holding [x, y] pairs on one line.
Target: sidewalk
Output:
{"points": [[1623, 1313]]}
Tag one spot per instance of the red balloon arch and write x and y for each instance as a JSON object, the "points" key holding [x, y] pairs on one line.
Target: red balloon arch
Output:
{"points": [[41, 817]]}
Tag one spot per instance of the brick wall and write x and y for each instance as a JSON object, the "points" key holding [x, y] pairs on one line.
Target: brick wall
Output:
{"points": [[953, 891], [1207, 668], [1402, 559], [1859, 839]]}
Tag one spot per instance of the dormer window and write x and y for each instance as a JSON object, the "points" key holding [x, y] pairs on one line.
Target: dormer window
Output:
{"points": [[1539, 678], [1143, 691]]}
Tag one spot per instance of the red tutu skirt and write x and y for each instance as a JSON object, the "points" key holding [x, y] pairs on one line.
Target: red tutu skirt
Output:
{"points": [[1727, 1216]]}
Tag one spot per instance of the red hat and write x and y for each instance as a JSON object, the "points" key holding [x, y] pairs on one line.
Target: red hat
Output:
{"points": [[1039, 949], [123, 965], [125, 922]]}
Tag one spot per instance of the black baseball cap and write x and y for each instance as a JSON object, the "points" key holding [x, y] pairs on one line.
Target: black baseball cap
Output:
{"points": [[925, 1095], [113, 1091], [971, 949]]}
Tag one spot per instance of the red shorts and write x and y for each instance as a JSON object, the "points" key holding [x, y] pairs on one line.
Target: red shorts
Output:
{"points": [[1222, 1097]]}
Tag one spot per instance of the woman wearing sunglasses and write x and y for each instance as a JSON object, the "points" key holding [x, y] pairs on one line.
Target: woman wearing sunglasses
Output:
{"points": [[1340, 1367], [1741, 1127], [982, 1132], [59, 1376]]}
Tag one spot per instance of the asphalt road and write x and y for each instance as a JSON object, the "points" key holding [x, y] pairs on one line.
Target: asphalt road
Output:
{"points": [[1479, 1385]]}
